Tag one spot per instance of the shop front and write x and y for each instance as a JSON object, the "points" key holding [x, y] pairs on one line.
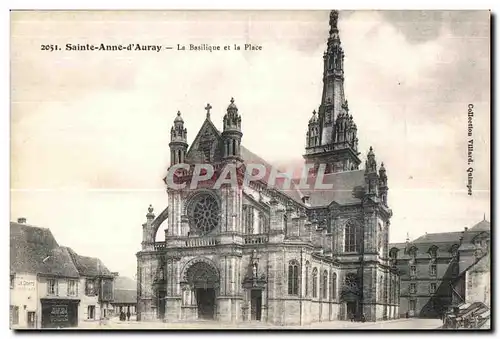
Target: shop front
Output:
{"points": [[59, 313]]}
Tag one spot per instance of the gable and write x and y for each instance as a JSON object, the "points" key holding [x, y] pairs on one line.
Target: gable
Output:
{"points": [[206, 147]]}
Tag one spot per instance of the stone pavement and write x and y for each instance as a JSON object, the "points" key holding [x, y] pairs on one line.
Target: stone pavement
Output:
{"points": [[417, 324]]}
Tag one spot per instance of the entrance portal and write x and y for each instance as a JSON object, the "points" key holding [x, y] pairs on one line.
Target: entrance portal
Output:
{"points": [[351, 310], [202, 277], [256, 304], [161, 305], [205, 300]]}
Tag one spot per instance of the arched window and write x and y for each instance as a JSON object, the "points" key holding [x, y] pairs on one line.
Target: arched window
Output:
{"points": [[308, 266], [285, 223], [333, 293], [315, 282], [293, 278], [325, 284], [351, 237]]}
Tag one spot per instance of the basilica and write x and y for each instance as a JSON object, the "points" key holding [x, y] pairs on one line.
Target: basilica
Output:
{"points": [[269, 253]]}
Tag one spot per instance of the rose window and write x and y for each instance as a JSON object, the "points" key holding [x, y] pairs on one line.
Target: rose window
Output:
{"points": [[351, 282], [205, 214]]}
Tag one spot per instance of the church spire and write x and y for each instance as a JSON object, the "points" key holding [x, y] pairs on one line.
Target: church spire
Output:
{"points": [[334, 30], [338, 142]]}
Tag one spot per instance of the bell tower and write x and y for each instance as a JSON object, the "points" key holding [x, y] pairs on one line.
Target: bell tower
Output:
{"points": [[337, 142]]}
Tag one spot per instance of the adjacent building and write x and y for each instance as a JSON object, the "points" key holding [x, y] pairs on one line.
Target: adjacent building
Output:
{"points": [[440, 270], [125, 295], [43, 280], [46, 289], [96, 286], [264, 252]]}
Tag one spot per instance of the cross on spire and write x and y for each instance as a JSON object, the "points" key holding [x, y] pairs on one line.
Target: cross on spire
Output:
{"points": [[208, 108]]}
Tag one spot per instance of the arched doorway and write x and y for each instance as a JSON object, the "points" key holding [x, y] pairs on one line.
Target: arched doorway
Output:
{"points": [[203, 280], [350, 297]]}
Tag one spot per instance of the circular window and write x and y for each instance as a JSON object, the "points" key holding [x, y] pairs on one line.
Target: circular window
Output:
{"points": [[204, 214], [351, 282]]}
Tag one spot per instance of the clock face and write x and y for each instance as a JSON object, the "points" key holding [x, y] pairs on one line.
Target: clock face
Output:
{"points": [[204, 214]]}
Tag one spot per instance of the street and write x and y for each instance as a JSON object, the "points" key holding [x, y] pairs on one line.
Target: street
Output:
{"points": [[417, 324]]}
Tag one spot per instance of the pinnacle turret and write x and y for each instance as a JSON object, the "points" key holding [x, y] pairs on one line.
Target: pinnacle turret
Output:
{"points": [[232, 131], [178, 140]]}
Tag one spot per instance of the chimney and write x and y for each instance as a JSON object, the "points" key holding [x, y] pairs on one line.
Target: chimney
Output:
{"points": [[21, 220], [466, 229]]}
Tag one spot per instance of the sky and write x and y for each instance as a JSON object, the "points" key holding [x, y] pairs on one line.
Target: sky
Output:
{"points": [[90, 130]]}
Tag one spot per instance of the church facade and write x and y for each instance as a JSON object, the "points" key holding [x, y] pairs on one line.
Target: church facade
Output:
{"points": [[271, 253]]}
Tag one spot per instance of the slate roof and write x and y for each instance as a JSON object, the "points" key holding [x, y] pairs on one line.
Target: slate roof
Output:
{"points": [[445, 240], [35, 250], [125, 283], [481, 226], [125, 297], [89, 266], [439, 237], [292, 191], [125, 290], [343, 182], [342, 192]]}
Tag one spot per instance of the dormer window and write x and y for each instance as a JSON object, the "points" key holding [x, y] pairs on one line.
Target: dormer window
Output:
{"points": [[454, 251], [413, 255], [433, 252]]}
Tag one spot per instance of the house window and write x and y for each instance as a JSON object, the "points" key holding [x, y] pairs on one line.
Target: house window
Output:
{"points": [[432, 288], [433, 270], [454, 269], [14, 315], [351, 237], [334, 286], [72, 288], [315, 282], [90, 287], [413, 288], [413, 271], [91, 312], [293, 278], [325, 284], [285, 223], [307, 279], [413, 305], [12, 280], [52, 287]]}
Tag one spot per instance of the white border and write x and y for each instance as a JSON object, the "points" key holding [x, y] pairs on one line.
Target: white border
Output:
{"points": [[148, 4]]}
